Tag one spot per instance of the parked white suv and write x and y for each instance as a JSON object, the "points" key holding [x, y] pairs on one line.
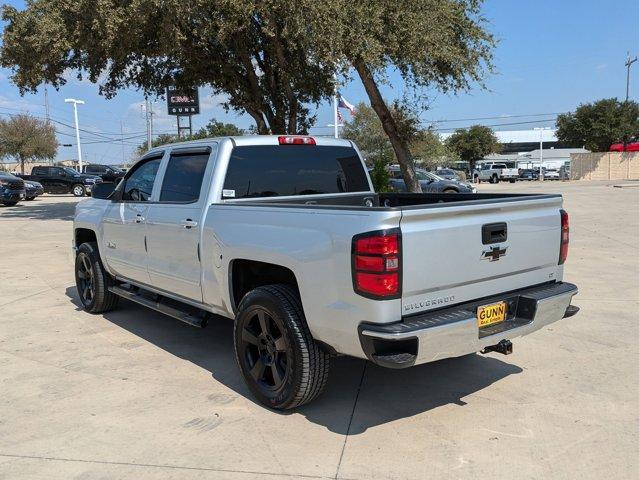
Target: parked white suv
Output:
{"points": [[286, 237]]}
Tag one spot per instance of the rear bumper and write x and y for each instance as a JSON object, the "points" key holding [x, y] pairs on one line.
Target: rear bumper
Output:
{"points": [[453, 332]]}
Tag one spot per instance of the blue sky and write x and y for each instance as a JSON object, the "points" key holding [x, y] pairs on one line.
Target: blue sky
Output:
{"points": [[551, 56]]}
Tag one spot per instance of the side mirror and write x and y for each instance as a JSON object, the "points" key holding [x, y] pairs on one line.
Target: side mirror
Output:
{"points": [[103, 190]]}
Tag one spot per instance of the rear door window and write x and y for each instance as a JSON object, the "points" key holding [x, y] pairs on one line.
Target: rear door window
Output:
{"points": [[183, 178], [282, 170]]}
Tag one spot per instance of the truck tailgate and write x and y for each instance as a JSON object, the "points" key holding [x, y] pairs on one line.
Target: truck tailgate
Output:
{"points": [[446, 260]]}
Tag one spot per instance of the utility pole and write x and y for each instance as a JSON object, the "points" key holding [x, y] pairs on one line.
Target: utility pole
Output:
{"points": [[541, 151], [46, 109], [149, 124], [77, 128], [46, 103], [629, 62], [122, 142]]}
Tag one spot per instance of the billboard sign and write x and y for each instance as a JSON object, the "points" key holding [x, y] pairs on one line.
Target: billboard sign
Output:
{"points": [[183, 101]]}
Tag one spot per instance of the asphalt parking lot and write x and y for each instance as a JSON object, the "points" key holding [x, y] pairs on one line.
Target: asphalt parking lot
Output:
{"points": [[134, 394]]}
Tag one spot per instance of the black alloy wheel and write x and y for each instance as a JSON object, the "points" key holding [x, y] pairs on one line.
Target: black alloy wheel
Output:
{"points": [[279, 360], [86, 285], [92, 280], [265, 350]]}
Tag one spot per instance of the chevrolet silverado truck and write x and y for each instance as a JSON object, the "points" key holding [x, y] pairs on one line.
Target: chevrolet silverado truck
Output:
{"points": [[286, 236]]}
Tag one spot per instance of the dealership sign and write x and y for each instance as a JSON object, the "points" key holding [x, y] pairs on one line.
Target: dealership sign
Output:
{"points": [[182, 101]]}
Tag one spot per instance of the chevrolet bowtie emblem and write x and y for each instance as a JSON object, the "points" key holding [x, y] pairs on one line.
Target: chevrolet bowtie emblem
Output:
{"points": [[494, 254]]}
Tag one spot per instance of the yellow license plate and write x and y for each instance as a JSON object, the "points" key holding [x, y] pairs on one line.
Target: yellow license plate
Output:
{"points": [[490, 314]]}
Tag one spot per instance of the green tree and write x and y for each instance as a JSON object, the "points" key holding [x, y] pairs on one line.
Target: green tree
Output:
{"points": [[473, 144], [214, 128], [380, 176], [26, 139], [365, 129], [272, 58], [255, 52], [430, 152], [437, 44], [598, 125]]}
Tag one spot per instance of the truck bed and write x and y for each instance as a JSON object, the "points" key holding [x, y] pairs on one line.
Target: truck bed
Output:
{"points": [[389, 201]]}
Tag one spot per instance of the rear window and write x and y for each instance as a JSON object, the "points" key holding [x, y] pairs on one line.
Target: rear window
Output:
{"points": [[183, 178], [274, 170]]}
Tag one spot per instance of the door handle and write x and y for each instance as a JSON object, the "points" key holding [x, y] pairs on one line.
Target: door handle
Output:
{"points": [[188, 223], [139, 218]]}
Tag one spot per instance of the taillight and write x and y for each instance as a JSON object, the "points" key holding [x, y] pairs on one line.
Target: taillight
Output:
{"points": [[377, 263], [295, 140], [565, 237]]}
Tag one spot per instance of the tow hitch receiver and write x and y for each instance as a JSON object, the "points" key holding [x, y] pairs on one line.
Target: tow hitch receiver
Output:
{"points": [[505, 347]]}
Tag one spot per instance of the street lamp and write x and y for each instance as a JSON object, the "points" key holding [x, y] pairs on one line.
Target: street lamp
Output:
{"points": [[541, 150], [77, 129]]}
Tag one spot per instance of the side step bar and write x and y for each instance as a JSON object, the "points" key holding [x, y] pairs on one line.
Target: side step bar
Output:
{"points": [[160, 305]]}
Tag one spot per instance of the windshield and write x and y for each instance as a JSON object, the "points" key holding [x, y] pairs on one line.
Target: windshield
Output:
{"points": [[424, 175], [70, 171]]}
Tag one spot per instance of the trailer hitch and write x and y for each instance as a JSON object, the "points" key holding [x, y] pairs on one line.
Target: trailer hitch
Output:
{"points": [[505, 347]]}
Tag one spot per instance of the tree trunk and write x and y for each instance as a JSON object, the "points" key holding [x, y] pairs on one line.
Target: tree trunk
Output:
{"points": [[390, 127], [262, 127], [22, 165]]}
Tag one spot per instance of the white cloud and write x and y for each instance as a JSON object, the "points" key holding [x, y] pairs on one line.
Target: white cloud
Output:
{"points": [[20, 105]]}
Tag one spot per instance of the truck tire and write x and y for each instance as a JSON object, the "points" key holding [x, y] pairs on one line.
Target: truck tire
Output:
{"points": [[450, 190], [92, 281], [78, 190], [513, 180], [279, 360], [9, 204]]}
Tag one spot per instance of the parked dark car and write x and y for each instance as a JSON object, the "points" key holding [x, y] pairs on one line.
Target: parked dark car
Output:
{"points": [[430, 182], [11, 189], [528, 174], [63, 180], [108, 173], [33, 189]]}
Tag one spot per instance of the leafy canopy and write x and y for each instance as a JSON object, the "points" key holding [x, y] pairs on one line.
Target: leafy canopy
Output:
{"points": [[598, 125], [26, 138], [474, 143], [256, 52]]}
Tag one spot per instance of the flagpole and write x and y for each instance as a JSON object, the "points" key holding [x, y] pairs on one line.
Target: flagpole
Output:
{"points": [[335, 123]]}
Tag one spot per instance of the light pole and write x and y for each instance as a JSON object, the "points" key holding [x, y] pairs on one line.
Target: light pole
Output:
{"points": [[628, 63], [77, 129], [541, 150]]}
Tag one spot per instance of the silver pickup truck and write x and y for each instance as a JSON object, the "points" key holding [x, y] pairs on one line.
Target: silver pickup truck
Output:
{"points": [[286, 236]]}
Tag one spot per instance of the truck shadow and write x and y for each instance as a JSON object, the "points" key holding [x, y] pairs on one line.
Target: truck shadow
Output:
{"points": [[38, 210], [382, 395]]}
